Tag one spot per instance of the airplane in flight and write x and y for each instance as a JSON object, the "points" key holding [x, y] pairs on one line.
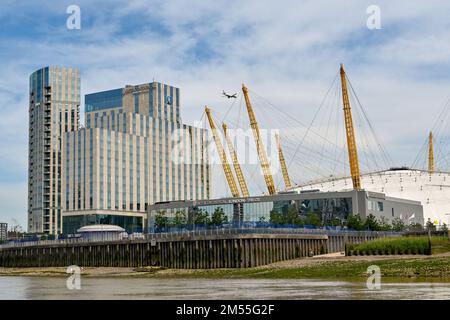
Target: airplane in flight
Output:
{"points": [[229, 96]]}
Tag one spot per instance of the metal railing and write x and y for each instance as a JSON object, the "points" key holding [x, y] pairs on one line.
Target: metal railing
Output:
{"points": [[192, 233], [225, 231]]}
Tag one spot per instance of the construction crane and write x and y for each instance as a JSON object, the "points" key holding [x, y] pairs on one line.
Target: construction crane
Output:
{"points": [[236, 165], [350, 132], [223, 157], [287, 180], [259, 144], [430, 153]]}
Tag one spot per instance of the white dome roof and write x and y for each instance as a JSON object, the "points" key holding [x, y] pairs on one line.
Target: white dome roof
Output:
{"points": [[101, 228], [431, 189]]}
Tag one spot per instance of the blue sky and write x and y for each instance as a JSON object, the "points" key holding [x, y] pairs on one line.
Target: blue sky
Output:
{"points": [[290, 50]]}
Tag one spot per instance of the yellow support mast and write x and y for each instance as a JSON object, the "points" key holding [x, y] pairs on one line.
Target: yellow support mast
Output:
{"points": [[259, 144], [236, 165], [284, 171], [223, 157], [430, 153], [350, 132]]}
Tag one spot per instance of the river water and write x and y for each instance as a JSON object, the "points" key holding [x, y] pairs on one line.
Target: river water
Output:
{"points": [[144, 288]]}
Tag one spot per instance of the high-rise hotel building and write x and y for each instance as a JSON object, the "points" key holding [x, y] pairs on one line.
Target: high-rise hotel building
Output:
{"points": [[54, 101], [134, 151]]}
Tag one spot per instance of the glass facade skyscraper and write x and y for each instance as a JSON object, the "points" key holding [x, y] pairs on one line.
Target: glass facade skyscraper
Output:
{"points": [[54, 102]]}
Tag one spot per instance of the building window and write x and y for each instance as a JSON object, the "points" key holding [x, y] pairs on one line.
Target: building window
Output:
{"points": [[136, 103], [375, 205]]}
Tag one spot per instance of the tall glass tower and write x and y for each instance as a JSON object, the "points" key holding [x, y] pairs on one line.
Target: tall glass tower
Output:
{"points": [[53, 110]]}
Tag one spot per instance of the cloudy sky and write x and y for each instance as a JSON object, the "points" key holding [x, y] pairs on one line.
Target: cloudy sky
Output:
{"points": [[289, 51]]}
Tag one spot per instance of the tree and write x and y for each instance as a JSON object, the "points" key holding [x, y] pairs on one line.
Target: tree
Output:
{"points": [[201, 217], [430, 226], [444, 227], [276, 217], [292, 217], [218, 217], [354, 222], [313, 219], [384, 224], [336, 222], [161, 220], [371, 223], [15, 230], [398, 224], [415, 227], [180, 218]]}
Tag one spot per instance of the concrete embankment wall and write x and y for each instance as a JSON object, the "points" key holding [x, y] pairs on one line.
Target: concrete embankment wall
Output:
{"points": [[336, 242], [185, 252]]}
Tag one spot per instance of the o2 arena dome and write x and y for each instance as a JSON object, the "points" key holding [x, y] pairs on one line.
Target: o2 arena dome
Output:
{"points": [[432, 189]]}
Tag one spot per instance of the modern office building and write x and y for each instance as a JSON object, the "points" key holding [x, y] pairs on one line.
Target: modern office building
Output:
{"points": [[329, 205], [3, 231], [134, 151], [54, 101]]}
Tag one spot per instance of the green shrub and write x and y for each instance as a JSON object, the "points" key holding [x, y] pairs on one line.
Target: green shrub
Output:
{"points": [[399, 245]]}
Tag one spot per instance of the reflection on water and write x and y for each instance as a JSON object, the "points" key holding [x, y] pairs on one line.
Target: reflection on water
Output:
{"points": [[142, 288]]}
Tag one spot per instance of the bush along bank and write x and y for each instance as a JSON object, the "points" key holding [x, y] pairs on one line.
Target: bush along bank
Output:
{"points": [[391, 246]]}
